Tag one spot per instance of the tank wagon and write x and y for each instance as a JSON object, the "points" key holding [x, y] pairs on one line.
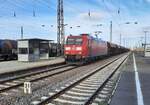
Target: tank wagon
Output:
{"points": [[8, 49], [84, 48]]}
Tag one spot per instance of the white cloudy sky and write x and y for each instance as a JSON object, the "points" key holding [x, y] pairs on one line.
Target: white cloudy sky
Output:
{"points": [[76, 14]]}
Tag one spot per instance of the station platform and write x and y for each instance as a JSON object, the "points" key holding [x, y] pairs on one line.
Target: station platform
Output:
{"points": [[12, 66], [134, 85]]}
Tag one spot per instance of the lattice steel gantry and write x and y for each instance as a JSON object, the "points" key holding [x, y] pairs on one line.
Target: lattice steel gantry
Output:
{"points": [[60, 26]]}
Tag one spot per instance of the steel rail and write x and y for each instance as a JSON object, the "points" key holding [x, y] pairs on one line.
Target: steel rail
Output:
{"points": [[90, 100], [31, 74], [32, 68], [36, 79], [54, 96]]}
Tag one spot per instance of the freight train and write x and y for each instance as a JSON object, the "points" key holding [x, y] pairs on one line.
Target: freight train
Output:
{"points": [[8, 49], [84, 48]]}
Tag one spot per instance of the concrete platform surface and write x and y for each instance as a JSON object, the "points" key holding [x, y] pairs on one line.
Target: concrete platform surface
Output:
{"points": [[128, 90], [11, 66]]}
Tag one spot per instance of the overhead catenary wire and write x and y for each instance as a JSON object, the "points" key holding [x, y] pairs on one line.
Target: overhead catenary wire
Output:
{"points": [[34, 6], [46, 3], [110, 13], [14, 4], [118, 22], [3, 4], [18, 4]]}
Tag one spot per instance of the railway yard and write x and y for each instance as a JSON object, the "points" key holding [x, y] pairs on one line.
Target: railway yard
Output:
{"points": [[63, 84], [74, 52]]}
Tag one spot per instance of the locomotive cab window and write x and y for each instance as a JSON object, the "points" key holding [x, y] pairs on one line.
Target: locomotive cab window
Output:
{"points": [[74, 41], [78, 41], [70, 41]]}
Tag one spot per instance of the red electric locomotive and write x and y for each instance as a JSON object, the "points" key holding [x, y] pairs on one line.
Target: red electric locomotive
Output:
{"points": [[83, 48]]}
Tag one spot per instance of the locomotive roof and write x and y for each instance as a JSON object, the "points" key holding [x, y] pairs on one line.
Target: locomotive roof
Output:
{"points": [[94, 38]]}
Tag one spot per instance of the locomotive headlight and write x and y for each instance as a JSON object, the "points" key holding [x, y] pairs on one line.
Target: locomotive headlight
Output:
{"points": [[78, 48], [67, 52], [80, 52], [67, 48]]}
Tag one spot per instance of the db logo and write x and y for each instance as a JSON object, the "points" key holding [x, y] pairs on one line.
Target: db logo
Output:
{"points": [[73, 48]]}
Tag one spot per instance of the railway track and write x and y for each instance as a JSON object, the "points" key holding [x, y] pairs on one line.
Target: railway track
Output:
{"points": [[84, 90], [15, 82], [18, 81], [13, 74]]}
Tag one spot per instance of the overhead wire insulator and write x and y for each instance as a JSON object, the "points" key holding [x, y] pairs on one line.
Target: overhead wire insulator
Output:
{"points": [[89, 14], [119, 11], [14, 15], [34, 13]]}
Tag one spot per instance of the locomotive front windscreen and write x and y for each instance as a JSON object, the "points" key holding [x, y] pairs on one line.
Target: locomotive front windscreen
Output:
{"points": [[74, 41]]}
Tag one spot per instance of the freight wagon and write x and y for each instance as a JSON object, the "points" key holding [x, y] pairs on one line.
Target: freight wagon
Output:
{"points": [[8, 49]]}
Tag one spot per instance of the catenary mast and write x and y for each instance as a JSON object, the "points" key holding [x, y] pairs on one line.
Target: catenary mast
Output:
{"points": [[60, 26]]}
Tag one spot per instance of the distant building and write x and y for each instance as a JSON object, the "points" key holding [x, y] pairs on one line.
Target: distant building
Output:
{"points": [[33, 49], [147, 50]]}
